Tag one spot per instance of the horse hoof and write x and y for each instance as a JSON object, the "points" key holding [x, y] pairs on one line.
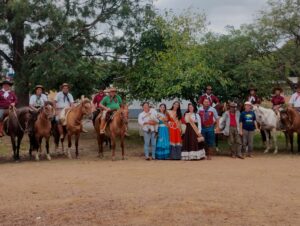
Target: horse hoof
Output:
{"points": [[123, 158], [275, 152], [113, 159], [49, 157], [69, 156], [266, 151], [100, 156]]}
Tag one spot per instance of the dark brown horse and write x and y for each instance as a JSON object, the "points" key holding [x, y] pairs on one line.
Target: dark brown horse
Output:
{"points": [[42, 129], [115, 128], [73, 125], [15, 125], [290, 118]]}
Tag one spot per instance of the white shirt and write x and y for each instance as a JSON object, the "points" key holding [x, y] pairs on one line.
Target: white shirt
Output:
{"points": [[146, 117], [295, 100], [195, 117], [62, 100], [38, 102]]}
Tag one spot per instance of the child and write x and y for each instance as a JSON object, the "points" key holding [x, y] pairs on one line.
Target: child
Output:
{"points": [[248, 125]]}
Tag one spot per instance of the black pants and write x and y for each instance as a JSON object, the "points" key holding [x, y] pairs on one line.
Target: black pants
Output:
{"points": [[95, 114]]}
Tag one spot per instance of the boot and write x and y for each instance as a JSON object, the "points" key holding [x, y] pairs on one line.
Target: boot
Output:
{"points": [[1, 129], [209, 153]]}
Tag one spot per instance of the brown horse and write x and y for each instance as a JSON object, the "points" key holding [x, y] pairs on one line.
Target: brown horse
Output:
{"points": [[42, 129], [290, 118], [15, 125], [73, 125], [115, 128]]}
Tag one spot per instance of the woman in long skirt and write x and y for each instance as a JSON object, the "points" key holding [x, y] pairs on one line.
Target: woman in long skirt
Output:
{"points": [[163, 141], [174, 115], [193, 142]]}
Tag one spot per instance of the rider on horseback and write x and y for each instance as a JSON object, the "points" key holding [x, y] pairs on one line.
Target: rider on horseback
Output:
{"points": [[7, 99], [38, 99], [110, 103], [213, 100], [277, 99], [63, 100], [295, 98]]}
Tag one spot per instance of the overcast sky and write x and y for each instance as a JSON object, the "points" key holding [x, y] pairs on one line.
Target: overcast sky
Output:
{"points": [[220, 13]]}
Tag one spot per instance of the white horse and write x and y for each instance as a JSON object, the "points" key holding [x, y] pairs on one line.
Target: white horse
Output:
{"points": [[269, 122]]}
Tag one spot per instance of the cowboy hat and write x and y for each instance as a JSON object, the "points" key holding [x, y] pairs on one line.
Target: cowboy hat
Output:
{"points": [[277, 88], [64, 84], [6, 82], [252, 88], [38, 86], [248, 103], [233, 104], [110, 89]]}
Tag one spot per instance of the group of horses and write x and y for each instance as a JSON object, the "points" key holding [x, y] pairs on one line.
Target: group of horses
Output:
{"points": [[41, 124], [271, 123]]}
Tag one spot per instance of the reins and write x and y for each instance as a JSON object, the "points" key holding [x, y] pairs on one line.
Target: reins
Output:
{"points": [[13, 108]]}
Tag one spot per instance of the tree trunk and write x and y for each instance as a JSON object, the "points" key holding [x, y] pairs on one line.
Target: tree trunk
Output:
{"points": [[18, 52]]}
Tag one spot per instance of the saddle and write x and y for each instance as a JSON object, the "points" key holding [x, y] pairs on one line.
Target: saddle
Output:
{"points": [[64, 115]]}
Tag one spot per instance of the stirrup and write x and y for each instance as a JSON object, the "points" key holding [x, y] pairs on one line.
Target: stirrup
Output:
{"points": [[102, 131]]}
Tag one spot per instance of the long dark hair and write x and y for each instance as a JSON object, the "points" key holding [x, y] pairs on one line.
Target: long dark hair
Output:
{"points": [[178, 112], [195, 108], [164, 106]]}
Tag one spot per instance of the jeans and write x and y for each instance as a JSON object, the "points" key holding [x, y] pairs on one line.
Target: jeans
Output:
{"points": [[209, 135], [248, 140], [234, 141], [149, 138]]}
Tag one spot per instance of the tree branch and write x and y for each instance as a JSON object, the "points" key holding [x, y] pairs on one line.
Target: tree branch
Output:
{"points": [[6, 57]]}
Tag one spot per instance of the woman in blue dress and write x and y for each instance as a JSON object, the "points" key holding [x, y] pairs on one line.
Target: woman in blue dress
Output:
{"points": [[163, 141]]}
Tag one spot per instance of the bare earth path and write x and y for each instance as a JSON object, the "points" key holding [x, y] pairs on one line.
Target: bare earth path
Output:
{"points": [[259, 191]]}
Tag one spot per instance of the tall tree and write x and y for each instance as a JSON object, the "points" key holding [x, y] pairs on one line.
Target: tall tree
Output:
{"points": [[53, 40]]}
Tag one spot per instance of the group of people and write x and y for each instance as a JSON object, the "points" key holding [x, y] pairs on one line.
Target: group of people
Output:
{"points": [[191, 136], [107, 100]]}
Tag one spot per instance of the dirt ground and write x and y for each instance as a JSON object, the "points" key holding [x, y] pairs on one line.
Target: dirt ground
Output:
{"points": [[263, 190]]}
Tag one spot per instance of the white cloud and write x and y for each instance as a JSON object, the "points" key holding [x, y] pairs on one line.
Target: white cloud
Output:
{"points": [[220, 13]]}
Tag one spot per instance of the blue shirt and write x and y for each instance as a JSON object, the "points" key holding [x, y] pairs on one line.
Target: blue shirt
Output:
{"points": [[247, 119]]}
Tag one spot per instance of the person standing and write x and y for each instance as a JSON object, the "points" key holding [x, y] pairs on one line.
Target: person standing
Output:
{"points": [[7, 98], [162, 151], [193, 141], [148, 120], [248, 125], [231, 128], [63, 100], [209, 121], [96, 101], [38, 99], [213, 100], [295, 98], [175, 131]]}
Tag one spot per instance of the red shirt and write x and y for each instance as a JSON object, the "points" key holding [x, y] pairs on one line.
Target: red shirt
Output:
{"points": [[98, 98], [212, 99], [278, 100], [232, 118], [5, 102]]}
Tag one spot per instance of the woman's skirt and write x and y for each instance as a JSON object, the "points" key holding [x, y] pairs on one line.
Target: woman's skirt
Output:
{"points": [[163, 143], [175, 143], [192, 149]]}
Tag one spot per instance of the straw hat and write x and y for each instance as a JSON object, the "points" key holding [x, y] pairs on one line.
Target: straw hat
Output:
{"points": [[39, 86], [248, 103], [64, 84], [110, 89]]}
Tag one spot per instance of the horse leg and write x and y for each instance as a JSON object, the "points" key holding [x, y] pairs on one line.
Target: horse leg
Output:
{"points": [[267, 141], [77, 135], [286, 140], [14, 147], [47, 148], [291, 135], [217, 142], [100, 146], [19, 140], [274, 137], [37, 147], [298, 142], [113, 145], [69, 146], [122, 147]]}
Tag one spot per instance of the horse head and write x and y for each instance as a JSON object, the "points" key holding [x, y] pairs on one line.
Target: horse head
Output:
{"points": [[86, 107], [124, 113], [48, 110]]}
